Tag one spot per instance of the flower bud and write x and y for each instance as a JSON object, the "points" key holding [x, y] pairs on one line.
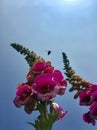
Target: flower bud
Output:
{"points": [[55, 108]]}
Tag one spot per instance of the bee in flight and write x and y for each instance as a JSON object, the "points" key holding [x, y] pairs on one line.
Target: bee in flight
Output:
{"points": [[48, 52]]}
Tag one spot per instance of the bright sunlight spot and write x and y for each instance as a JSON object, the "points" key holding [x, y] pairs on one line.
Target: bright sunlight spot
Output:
{"points": [[71, 1]]}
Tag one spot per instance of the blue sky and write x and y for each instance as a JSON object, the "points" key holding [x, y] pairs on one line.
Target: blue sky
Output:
{"points": [[40, 25]]}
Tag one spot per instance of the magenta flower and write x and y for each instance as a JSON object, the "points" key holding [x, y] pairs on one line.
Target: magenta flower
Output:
{"points": [[58, 76], [94, 95], [93, 88], [24, 95], [93, 110], [88, 97], [38, 67], [45, 87], [62, 84], [85, 98], [49, 70], [55, 108], [93, 92], [87, 117]]}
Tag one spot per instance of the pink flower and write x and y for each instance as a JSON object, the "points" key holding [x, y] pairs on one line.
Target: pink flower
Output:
{"points": [[49, 70], [88, 97], [93, 92], [93, 110], [60, 82], [41, 67], [38, 67], [85, 98], [93, 88], [58, 76], [94, 95], [49, 83], [87, 117], [24, 95], [55, 108], [45, 87]]}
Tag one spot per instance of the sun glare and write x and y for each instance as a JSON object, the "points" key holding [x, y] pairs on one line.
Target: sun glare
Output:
{"points": [[70, 0]]}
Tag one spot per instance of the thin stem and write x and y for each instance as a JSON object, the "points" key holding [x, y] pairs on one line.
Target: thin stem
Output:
{"points": [[46, 111]]}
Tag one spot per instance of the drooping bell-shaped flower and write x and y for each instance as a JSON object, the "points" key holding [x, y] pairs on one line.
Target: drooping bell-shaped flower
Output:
{"points": [[87, 117], [25, 97], [57, 110], [85, 98], [93, 110]]}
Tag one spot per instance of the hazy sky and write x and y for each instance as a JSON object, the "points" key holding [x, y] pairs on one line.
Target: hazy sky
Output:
{"points": [[57, 25]]}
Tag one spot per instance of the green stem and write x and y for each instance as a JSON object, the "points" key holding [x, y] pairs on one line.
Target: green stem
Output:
{"points": [[45, 111], [43, 121]]}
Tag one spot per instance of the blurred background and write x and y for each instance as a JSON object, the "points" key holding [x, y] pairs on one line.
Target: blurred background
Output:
{"points": [[68, 26]]}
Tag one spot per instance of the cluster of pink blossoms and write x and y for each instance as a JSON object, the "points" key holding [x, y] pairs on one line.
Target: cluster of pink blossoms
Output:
{"points": [[43, 84], [88, 97]]}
